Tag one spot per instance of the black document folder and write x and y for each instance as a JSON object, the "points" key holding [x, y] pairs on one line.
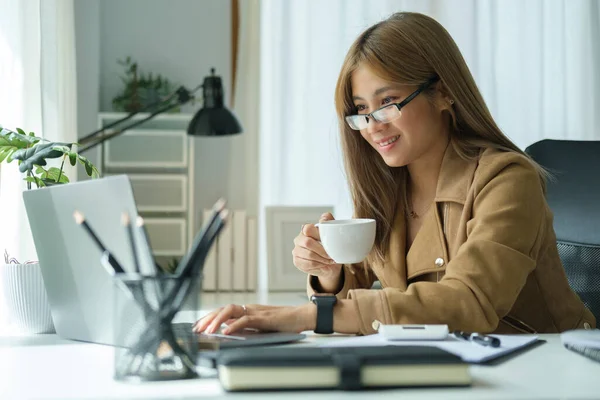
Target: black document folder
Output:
{"points": [[346, 368]]}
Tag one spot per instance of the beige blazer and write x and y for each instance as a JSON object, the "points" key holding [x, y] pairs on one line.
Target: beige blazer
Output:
{"points": [[484, 260]]}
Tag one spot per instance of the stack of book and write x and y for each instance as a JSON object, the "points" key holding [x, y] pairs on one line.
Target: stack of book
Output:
{"points": [[231, 264]]}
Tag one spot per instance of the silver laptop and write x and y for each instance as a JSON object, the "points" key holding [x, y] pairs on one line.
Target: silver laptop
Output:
{"points": [[84, 301]]}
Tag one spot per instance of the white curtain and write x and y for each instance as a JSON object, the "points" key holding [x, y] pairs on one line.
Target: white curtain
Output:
{"points": [[536, 62], [59, 81], [20, 106], [37, 81], [245, 101], [246, 105]]}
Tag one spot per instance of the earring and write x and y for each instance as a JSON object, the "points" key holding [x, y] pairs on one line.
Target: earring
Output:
{"points": [[451, 101]]}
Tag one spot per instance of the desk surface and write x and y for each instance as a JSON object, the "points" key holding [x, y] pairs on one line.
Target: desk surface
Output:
{"points": [[47, 367]]}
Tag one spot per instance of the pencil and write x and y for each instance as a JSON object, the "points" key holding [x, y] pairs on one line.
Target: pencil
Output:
{"points": [[216, 210], [140, 224], [80, 220], [126, 221], [194, 266], [184, 283], [105, 261], [147, 248]]}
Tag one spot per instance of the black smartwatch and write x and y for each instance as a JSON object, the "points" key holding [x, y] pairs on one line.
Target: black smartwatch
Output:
{"points": [[324, 303]]}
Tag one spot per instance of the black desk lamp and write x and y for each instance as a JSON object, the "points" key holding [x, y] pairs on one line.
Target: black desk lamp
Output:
{"points": [[213, 119]]}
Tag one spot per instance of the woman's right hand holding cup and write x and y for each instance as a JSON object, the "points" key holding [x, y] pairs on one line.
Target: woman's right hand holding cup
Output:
{"points": [[310, 256]]}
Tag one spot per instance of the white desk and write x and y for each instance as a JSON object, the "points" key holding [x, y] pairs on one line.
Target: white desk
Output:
{"points": [[47, 367]]}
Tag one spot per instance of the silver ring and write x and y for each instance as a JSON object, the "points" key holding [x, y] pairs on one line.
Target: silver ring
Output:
{"points": [[245, 309]]}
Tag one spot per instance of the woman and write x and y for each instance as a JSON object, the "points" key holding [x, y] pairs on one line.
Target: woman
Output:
{"points": [[464, 234]]}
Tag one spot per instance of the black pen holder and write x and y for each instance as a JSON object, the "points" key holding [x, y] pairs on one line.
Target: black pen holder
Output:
{"points": [[151, 349]]}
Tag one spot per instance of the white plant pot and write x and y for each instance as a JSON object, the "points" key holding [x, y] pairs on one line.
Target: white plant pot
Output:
{"points": [[25, 297]]}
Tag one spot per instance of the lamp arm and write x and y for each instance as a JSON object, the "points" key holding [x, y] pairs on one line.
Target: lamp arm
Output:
{"points": [[183, 96], [89, 136]]}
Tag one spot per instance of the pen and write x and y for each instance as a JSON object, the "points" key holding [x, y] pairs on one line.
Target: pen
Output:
{"points": [[483, 340]]}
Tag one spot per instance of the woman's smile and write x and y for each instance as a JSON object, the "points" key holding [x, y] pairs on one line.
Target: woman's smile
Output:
{"points": [[387, 144]]}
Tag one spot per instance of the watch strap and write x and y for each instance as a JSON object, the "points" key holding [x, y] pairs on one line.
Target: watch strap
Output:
{"points": [[324, 314]]}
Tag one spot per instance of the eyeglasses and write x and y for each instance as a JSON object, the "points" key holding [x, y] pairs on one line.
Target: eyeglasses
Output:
{"points": [[387, 113]]}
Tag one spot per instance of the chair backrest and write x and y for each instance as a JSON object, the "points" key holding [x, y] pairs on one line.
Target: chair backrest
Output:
{"points": [[574, 198]]}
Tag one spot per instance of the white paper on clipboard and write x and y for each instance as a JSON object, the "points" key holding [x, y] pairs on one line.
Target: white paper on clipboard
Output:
{"points": [[469, 351]]}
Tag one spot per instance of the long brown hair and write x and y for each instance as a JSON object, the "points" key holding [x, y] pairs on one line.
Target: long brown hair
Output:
{"points": [[409, 48]]}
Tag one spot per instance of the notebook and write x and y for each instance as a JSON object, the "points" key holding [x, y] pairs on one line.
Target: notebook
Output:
{"points": [[584, 342], [346, 368]]}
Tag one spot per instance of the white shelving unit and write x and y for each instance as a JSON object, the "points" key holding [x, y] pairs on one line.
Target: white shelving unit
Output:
{"points": [[158, 157]]}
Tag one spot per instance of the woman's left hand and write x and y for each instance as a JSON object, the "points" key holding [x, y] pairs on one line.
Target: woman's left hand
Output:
{"points": [[256, 316]]}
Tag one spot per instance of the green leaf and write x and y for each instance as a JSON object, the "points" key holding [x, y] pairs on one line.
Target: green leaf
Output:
{"points": [[36, 155], [90, 168], [43, 173], [10, 153], [72, 157], [21, 131], [4, 153], [31, 134], [53, 174], [14, 139], [34, 179], [64, 148]]}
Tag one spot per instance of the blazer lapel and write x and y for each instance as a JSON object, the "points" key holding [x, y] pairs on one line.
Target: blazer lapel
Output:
{"points": [[429, 251], [393, 272]]}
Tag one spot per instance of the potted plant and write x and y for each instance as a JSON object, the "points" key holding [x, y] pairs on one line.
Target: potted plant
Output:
{"points": [[22, 284], [142, 91]]}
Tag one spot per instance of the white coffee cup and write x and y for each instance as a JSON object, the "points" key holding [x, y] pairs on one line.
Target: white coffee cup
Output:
{"points": [[347, 241]]}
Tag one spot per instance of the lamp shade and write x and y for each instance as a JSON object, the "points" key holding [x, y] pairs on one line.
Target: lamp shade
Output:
{"points": [[213, 119]]}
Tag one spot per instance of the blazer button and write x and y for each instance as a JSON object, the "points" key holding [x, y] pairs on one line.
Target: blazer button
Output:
{"points": [[439, 262], [375, 325]]}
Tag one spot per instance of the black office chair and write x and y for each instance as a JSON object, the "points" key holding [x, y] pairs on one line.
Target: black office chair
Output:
{"points": [[574, 198]]}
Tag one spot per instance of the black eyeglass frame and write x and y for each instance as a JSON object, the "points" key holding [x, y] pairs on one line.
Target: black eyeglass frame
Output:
{"points": [[399, 106]]}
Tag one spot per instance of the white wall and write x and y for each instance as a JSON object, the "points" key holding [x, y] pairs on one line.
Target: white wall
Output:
{"points": [[180, 39]]}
